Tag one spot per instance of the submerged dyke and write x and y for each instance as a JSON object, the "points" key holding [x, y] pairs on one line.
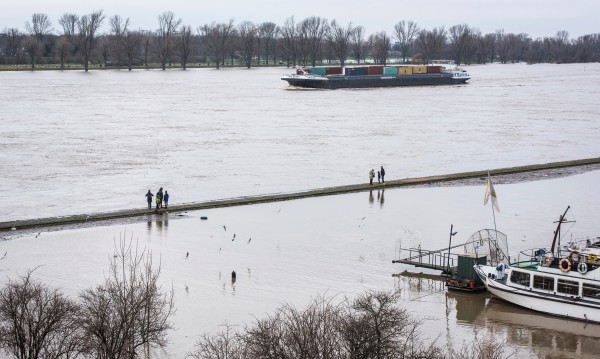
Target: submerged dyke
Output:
{"points": [[326, 191]]}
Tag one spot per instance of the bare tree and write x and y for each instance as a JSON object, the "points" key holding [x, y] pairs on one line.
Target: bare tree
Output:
{"points": [[129, 312], [87, 27], [405, 32], [68, 22], [312, 32], [431, 43], [37, 321], [62, 49], [290, 41], [267, 34], [13, 39], [184, 45], [358, 43], [248, 37], [33, 48], [165, 37], [218, 39], [127, 41], [380, 47], [462, 42], [40, 26], [339, 40]]}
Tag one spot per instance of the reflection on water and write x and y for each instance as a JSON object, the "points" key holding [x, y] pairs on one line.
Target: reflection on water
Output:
{"points": [[467, 305], [158, 222], [545, 335]]}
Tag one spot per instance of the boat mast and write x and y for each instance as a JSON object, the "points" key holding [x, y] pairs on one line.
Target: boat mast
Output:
{"points": [[557, 233]]}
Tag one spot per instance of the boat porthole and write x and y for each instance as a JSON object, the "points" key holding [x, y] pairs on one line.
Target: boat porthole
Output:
{"points": [[562, 267], [582, 268]]}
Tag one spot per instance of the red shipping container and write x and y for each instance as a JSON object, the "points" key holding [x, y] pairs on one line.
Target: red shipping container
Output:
{"points": [[334, 71], [375, 70], [434, 69]]}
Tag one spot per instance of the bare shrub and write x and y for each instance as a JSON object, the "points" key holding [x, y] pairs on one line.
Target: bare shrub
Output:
{"points": [[128, 311], [371, 326], [226, 344], [37, 321]]}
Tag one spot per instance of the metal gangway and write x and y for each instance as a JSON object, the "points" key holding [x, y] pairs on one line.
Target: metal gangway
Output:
{"points": [[485, 242]]}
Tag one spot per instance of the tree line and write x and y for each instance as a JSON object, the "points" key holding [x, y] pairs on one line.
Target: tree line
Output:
{"points": [[311, 41]]}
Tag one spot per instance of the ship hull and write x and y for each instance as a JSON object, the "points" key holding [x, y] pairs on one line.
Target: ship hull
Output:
{"points": [[367, 81]]}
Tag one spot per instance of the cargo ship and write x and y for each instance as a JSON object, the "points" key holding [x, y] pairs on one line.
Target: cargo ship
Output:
{"points": [[332, 77]]}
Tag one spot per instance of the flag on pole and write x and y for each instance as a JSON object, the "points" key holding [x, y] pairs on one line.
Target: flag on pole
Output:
{"points": [[490, 193]]}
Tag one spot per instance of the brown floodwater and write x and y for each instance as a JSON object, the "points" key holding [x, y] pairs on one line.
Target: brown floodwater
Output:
{"points": [[290, 252]]}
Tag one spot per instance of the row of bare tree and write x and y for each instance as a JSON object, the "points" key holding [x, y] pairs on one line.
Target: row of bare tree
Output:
{"points": [[312, 41], [122, 318], [371, 326]]}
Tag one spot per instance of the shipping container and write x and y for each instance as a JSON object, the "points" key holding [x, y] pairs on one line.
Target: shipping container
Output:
{"points": [[390, 71], [419, 69], [465, 265], [375, 70], [334, 71], [318, 70], [356, 71], [405, 70], [434, 69]]}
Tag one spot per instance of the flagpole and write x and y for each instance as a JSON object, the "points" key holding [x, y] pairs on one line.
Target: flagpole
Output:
{"points": [[494, 215]]}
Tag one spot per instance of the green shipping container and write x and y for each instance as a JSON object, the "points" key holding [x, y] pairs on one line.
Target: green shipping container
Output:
{"points": [[466, 263], [390, 71], [318, 71]]}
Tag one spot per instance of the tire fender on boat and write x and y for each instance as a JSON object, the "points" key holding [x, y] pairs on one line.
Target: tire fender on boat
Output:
{"points": [[582, 268], [562, 267]]}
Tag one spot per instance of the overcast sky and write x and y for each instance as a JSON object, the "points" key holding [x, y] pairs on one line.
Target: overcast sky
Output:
{"points": [[538, 18]]}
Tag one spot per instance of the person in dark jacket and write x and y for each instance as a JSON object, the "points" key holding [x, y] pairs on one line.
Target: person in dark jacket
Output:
{"points": [[159, 197], [149, 196], [166, 199], [382, 175]]}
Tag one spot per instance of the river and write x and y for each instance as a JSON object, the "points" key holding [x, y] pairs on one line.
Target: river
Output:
{"points": [[77, 143]]}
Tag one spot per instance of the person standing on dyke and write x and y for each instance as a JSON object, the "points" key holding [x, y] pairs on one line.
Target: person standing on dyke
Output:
{"points": [[382, 175], [371, 176], [166, 199], [378, 177], [149, 196], [158, 199]]}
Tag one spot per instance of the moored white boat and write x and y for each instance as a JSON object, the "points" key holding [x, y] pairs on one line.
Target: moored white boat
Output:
{"points": [[562, 282]]}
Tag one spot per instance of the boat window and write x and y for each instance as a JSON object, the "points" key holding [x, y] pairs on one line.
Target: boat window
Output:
{"points": [[541, 282], [520, 278], [591, 290], [567, 287]]}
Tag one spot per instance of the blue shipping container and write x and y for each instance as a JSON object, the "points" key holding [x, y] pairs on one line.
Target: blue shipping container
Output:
{"points": [[318, 70], [390, 71], [356, 71]]}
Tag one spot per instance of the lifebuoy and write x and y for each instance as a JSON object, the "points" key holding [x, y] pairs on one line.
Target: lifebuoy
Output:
{"points": [[582, 268], [563, 268]]}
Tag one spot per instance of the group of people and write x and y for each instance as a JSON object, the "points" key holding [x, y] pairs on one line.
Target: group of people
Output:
{"points": [[160, 198], [380, 176]]}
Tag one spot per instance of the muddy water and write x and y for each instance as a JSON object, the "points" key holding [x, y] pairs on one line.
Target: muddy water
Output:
{"points": [[289, 252], [74, 142]]}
